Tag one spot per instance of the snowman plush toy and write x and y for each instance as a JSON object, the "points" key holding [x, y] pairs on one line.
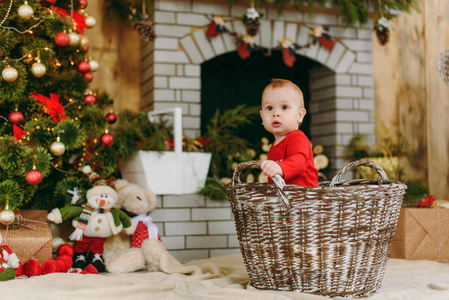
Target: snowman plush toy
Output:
{"points": [[94, 222]]}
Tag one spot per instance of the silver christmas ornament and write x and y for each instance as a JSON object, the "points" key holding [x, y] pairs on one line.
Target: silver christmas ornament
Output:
{"points": [[74, 39], [25, 11], [10, 74], [93, 65], [7, 217], [90, 21], [38, 69]]}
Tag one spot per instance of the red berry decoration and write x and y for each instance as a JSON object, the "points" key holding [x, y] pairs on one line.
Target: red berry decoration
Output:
{"points": [[50, 2], [62, 39], [32, 268], [15, 117], [89, 76], [50, 266], [84, 67], [34, 177], [107, 139], [90, 99], [65, 249], [111, 117]]}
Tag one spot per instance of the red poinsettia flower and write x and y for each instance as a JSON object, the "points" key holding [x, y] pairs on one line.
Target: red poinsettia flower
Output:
{"points": [[427, 201], [51, 106], [78, 19], [18, 132]]}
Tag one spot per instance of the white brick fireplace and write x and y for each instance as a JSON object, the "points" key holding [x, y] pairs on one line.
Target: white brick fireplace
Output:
{"points": [[341, 87]]}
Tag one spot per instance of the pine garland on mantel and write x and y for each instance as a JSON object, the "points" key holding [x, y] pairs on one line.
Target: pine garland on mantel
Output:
{"points": [[352, 11]]}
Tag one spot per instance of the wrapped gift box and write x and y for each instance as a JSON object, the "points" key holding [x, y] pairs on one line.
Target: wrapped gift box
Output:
{"points": [[422, 234], [28, 243]]}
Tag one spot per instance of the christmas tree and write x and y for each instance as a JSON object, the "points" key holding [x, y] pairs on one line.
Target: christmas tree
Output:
{"points": [[52, 124]]}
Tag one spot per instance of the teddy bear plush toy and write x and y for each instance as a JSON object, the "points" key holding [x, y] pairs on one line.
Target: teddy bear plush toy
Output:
{"points": [[94, 222], [142, 251], [8, 262]]}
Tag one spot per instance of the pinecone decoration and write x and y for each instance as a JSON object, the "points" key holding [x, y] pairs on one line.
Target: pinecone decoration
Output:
{"points": [[252, 26], [145, 28], [383, 35]]}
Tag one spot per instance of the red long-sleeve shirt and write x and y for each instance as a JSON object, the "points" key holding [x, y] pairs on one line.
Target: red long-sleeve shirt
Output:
{"points": [[294, 155]]}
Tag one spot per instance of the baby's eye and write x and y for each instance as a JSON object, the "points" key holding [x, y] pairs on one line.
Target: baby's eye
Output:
{"points": [[269, 108], [284, 107]]}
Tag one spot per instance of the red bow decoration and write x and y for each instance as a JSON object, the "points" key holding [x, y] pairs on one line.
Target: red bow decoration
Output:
{"points": [[78, 19], [18, 132], [51, 106], [427, 201]]}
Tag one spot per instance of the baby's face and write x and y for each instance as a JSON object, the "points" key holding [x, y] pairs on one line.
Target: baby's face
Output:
{"points": [[281, 111]]}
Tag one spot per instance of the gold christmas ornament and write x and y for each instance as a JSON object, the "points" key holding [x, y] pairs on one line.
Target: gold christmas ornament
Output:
{"points": [[84, 41], [10, 74], [25, 11], [57, 148], [38, 69]]}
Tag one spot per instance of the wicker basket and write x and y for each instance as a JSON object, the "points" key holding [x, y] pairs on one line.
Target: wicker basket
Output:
{"points": [[330, 240]]}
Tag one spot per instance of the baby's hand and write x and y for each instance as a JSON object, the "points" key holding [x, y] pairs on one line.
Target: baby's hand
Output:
{"points": [[271, 168]]}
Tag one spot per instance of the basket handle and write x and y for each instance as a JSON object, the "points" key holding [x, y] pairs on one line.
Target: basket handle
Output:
{"points": [[353, 165], [278, 180]]}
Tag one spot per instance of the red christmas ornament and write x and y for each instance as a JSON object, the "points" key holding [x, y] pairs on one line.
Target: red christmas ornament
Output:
{"points": [[15, 117], [84, 66], [83, 3], [62, 39], [90, 99], [50, 2], [34, 177], [111, 117], [107, 139], [89, 76]]}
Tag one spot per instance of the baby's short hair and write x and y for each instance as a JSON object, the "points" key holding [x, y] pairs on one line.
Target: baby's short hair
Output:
{"points": [[280, 83]]}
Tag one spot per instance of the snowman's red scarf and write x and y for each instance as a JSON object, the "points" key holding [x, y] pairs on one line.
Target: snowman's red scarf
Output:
{"points": [[84, 219]]}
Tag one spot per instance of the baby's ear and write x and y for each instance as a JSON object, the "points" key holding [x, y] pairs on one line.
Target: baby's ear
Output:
{"points": [[302, 113]]}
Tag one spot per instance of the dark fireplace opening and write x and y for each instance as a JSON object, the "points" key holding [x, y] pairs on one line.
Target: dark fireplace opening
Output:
{"points": [[228, 81]]}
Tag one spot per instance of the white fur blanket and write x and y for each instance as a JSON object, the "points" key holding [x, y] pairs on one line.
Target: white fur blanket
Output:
{"points": [[216, 278]]}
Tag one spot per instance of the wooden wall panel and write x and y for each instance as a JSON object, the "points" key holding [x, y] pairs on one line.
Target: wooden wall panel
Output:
{"points": [[411, 98], [437, 40], [400, 90], [116, 47]]}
